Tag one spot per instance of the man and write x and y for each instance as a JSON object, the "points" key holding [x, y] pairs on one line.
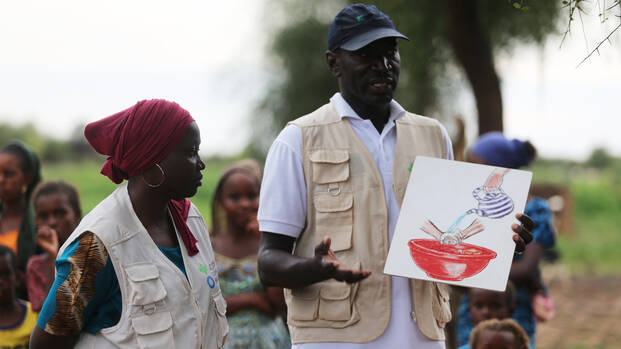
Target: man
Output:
{"points": [[333, 184]]}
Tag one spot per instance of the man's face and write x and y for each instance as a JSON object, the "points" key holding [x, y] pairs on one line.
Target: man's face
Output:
{"points": [[369, 76]]}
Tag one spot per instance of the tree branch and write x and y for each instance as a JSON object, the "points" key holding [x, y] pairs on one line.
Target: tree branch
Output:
{"points": [[600, 44]]}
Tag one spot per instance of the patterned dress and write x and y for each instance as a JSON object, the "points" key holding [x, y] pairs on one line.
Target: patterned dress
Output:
{"points": [[249, 328]]}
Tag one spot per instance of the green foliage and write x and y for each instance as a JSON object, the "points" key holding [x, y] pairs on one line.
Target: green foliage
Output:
{"points": [[600, 159], [94, 187], [302, 81], [593, 246], [48, 149]]}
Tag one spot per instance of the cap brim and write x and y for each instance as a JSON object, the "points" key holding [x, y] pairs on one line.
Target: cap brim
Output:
{"points": [[368, 37]]}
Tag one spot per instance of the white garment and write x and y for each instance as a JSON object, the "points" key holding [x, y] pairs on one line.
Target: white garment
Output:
{"points": [[161, 307], [282, 210]]}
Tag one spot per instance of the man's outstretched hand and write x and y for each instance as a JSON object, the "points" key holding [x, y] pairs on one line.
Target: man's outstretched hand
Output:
{"points": [[333, 268]]}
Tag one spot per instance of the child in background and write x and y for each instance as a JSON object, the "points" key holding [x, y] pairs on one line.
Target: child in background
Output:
{"points": [[486, 304], [253, 311], [501, 334], [16, 316], [57, 213]]}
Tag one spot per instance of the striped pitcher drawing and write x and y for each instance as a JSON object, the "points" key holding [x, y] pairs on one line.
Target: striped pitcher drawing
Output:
{"points": [[492, 204]]}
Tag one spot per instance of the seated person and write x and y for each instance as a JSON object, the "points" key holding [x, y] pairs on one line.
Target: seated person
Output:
{"points": [[487, 304], [16, 316], [494, 333], [57, 213]]}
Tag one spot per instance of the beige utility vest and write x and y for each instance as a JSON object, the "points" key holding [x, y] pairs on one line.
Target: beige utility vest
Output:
{"points": [[161, 309], [345, 198]]}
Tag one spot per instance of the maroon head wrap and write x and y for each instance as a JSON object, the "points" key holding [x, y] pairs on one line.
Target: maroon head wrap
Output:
{"points": [[136, 139]]}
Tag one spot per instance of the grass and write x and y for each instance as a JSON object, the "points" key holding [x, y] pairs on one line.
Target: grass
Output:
{"points": [[593, 247], [94, 187]]}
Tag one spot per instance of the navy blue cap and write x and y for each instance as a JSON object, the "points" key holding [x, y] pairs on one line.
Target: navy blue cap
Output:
{"points": [[358, 25]]}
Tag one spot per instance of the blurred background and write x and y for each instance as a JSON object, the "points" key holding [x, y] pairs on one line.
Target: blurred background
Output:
{"points": [[548, 71]]}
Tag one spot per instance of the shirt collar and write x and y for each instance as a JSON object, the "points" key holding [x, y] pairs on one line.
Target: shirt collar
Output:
{"points": [[346, 111]]}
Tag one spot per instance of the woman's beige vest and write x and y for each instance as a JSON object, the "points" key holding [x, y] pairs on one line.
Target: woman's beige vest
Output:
{"points": [[160, 308], [345, 198]]}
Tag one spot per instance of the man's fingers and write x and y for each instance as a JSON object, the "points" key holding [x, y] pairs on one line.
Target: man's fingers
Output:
{"points": [[526, 221], [323, 247], [520, 245], [351, 276]]}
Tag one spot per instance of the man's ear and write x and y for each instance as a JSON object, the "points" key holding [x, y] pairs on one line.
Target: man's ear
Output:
{"points": [[333, 63]]}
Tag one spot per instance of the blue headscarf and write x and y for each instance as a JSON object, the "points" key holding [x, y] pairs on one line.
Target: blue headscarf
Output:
{"points": [[497, 150]]}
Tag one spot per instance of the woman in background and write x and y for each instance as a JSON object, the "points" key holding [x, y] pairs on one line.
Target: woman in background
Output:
{"points": [[19, 174], [253, 311]]}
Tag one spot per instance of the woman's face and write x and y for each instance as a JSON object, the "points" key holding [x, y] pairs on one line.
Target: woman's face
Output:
{"points": [[55, 211], [240, 199], [12, 178], [183, 166]]}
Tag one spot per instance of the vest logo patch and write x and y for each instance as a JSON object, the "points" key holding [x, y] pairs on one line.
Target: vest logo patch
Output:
{"points": [[211, 281]]}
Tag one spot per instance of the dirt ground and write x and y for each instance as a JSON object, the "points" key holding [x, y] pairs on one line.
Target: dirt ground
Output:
{"points": [[588, 311]]}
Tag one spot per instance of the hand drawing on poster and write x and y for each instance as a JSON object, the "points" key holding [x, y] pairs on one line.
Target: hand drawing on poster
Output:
{"points": [[447, 257]]}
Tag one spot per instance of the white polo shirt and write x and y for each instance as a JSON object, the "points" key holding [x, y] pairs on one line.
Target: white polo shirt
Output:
{"points": [[282, 210]]}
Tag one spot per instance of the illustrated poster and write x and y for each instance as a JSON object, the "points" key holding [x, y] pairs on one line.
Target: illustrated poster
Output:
{"points": [[455, 223]]}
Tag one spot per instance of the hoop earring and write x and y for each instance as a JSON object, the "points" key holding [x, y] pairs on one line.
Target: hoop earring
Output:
{"points": [[160, 183]]}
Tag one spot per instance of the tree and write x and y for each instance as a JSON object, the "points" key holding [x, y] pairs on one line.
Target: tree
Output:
{"points": [[444, 34], [599, 159]]}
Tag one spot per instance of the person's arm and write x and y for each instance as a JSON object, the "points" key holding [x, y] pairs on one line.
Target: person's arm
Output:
{"points": [[39, 339], [63, 315], [277, 299], [524, 271], [278, 267], [40, 269]]}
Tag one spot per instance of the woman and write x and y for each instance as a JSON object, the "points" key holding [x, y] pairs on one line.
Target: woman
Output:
{"points": [[495, 149], [253, 310], [138, 271], [19, 174]]}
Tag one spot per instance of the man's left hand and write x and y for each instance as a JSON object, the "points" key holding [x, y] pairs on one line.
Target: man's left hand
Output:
{"points": [[522, 235]]}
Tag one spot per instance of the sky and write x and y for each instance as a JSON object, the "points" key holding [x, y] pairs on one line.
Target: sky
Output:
{"points": [[65, 63]]}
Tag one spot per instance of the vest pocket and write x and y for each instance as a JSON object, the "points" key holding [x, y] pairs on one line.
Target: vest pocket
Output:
{"points": [[335, 303], [304, 303], [440, 304], [334, 218], [223, 325], [328, 304], [154, 331], [144, 284], [329, 166]]}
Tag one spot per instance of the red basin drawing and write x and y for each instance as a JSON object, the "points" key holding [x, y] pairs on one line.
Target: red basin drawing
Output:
{"points": [[449, 262]]}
